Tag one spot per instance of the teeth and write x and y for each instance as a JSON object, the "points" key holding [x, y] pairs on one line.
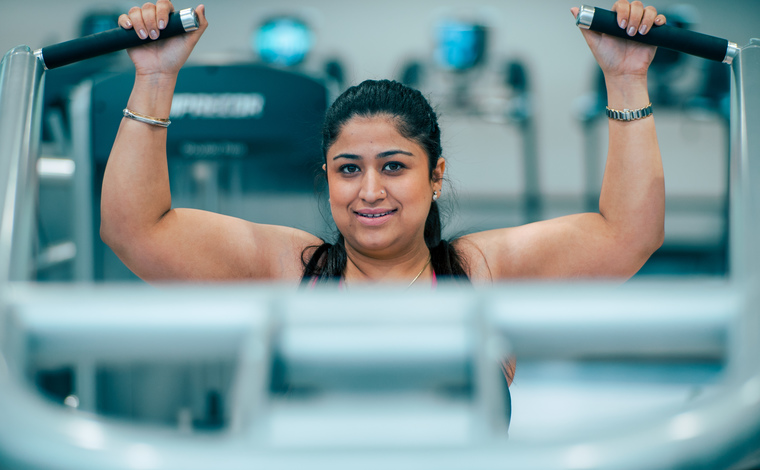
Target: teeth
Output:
{"points": [[374, 216]]}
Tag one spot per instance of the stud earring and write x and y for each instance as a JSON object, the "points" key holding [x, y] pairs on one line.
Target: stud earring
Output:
{"points": [[435, 196]]}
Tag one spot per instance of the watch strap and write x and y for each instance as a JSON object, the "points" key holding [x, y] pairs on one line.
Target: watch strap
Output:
{"points": [[629, 114]]}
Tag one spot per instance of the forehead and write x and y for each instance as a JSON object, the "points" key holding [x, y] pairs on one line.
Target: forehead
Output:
{"points": [[370, 134]]}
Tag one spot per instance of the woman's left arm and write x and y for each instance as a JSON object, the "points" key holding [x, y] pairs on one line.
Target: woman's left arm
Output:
{"points": [[629, 227]]}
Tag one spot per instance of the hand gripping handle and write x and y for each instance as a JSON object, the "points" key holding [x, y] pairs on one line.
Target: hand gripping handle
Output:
{"points": [[669, 37], [65, 53]]}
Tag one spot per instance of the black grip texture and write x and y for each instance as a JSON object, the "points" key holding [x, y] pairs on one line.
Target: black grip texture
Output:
{"points": [[87, 47], [669, 37]]}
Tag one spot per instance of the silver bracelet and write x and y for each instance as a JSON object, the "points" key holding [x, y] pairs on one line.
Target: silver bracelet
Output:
{"points": [[153, 121], [629, 114]]}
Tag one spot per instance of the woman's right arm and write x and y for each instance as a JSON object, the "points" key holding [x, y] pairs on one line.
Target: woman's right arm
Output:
{"points": [[137, 220]]}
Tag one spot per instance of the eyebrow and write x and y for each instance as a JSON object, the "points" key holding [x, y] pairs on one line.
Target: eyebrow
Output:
{"points": [[386, 154]]}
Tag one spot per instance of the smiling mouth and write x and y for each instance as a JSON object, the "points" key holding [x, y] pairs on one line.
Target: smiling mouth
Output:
{"points": [[375, 216]]}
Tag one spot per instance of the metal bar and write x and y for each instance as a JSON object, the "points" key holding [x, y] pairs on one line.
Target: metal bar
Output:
{"points": [[684, 319], [745, 203], [21, 81], [83, 187]]}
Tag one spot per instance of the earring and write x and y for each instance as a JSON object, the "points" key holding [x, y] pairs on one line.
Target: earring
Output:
{"points": [[435, 196]]}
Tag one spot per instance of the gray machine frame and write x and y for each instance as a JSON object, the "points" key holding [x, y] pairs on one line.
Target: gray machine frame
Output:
{"points": [[320, 329]]}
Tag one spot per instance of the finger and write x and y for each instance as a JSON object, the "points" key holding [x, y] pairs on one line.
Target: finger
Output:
{"points": [[163, 9], [149, 18], [124, 22], [574, 11], [195, 36], [660, 20], [650, 13], [135, 17], [202, 21], [634, 20], [623, 10]]}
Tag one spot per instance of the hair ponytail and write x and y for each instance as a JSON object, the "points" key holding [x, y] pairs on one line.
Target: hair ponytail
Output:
{"points": [[444, 258], [326, 264]]}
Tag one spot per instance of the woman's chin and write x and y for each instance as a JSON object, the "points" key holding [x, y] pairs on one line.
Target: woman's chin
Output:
{"points": [[375, 246]]}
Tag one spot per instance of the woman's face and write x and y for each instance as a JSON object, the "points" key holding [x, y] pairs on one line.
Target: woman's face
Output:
{"points": [[380, 187]]}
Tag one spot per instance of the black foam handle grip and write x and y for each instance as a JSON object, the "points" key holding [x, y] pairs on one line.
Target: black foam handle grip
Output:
{"points": [[93, 45], [669, 37]]}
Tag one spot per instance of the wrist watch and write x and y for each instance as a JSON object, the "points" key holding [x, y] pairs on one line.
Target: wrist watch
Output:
{"points": [[629, 114]]}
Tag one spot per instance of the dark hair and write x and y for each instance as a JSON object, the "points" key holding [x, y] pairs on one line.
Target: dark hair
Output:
{"points": [[415, 120]]}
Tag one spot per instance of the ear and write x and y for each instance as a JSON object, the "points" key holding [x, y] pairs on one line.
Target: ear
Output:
{"points": [[438, 171], [324, 167]]}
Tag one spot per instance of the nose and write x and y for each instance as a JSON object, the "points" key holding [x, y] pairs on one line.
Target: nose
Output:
{"points": [[372, 189]]}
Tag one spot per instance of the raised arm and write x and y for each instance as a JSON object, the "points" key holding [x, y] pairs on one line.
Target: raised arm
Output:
{"points": [[137, 220], [629, 227]]}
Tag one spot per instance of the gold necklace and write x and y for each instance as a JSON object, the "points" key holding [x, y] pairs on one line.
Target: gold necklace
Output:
{"points": [[420, 273], [345, 284]]}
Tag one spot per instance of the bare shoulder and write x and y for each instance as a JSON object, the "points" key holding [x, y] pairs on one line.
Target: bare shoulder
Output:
{"points": [[283, 249], [197, 245], [508, 253], [569, 247], [473, 258]]}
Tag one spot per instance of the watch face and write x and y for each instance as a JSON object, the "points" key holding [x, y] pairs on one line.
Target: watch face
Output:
{"points": [[460, 45], [283, 40]]}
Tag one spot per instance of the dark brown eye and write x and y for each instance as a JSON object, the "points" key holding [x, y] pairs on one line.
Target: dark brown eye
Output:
{"points": [[394, 166], [348, 168]]}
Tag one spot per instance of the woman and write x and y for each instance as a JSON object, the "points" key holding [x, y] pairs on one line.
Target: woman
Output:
{"points": [[383, 163]]}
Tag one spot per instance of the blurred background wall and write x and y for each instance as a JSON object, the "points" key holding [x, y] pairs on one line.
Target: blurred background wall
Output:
{"points": [[374, 39]]}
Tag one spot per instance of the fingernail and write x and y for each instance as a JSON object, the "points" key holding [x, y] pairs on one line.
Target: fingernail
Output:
{"points": [[623, 23], [161, 24], [643, 29], [142, 34], [129, 24], [631, 31], [153, 34]]}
